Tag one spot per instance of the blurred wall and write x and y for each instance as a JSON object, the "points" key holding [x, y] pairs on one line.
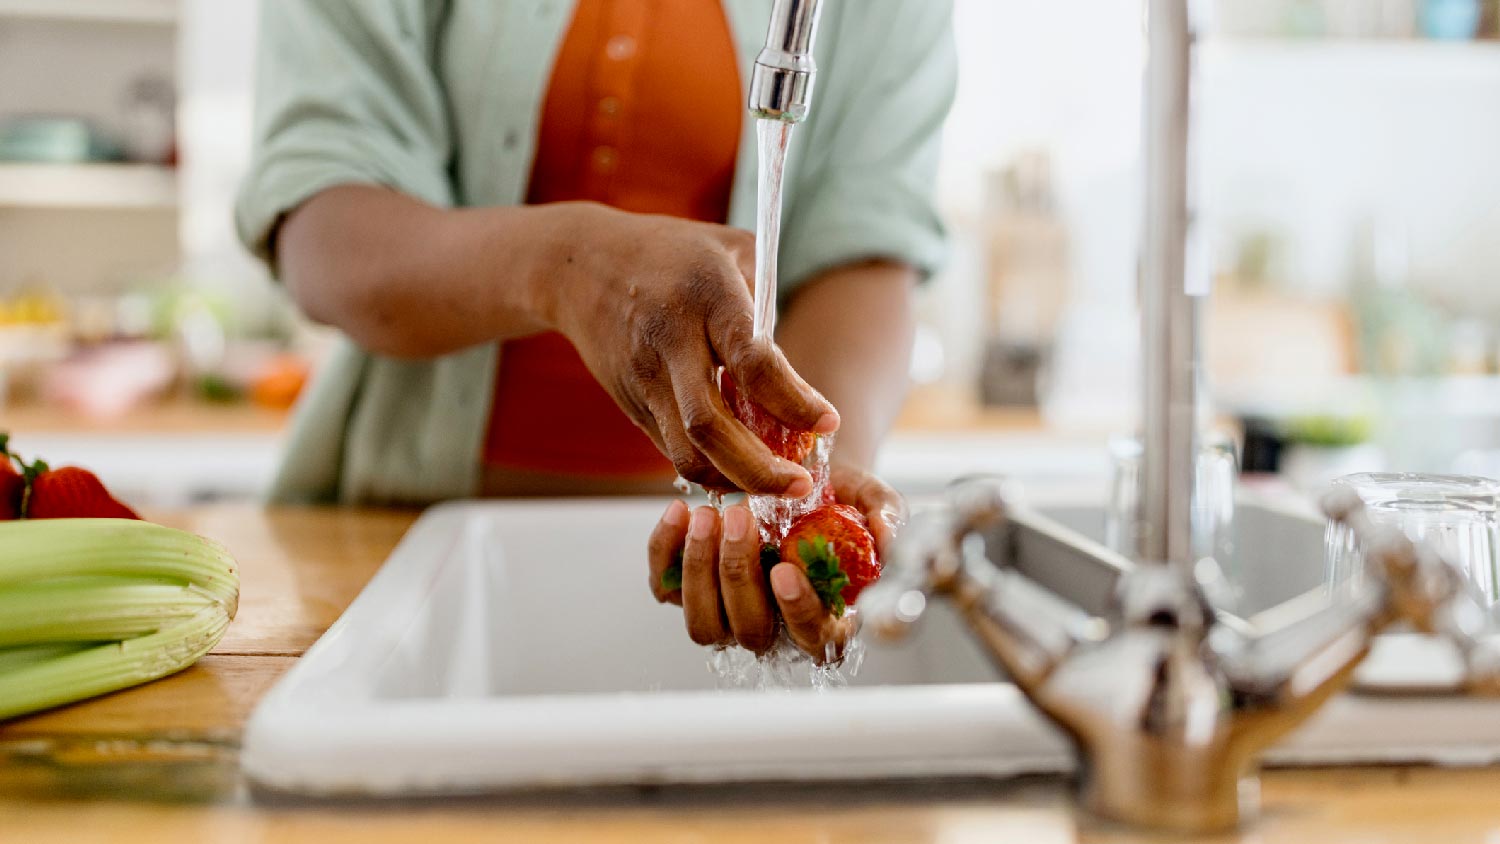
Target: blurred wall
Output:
{"points": [[1310, 141]]}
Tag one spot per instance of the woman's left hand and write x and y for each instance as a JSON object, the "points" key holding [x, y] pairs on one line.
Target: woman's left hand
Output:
{"points": [[724, 592]]}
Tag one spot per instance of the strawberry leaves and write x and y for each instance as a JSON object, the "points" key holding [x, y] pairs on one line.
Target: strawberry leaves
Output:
{"points": [[823, 570]]}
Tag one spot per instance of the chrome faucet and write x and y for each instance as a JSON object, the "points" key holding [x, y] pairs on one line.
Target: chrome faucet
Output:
{"points": [[1167, 700], [781, 82]]}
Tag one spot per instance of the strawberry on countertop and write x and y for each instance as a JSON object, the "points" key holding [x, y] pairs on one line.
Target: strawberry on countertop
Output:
{"points": [[835, 548], [783, 441], [71, 493], [12, 484]]}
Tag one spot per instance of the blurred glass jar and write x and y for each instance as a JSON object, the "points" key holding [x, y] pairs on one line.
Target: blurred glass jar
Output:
{"points": [[1455, 514], [1215, 473]]}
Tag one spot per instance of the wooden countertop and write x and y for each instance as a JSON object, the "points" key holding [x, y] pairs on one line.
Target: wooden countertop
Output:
{"points": [[159, 763]]}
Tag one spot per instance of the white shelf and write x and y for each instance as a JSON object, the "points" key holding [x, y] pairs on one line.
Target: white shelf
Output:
{"points": [[130, 186], [159, 12]]}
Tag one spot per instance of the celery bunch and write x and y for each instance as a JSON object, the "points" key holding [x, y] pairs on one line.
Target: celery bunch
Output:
{"points": [[89, 606]]}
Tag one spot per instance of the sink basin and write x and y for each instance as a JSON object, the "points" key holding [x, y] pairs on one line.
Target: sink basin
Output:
{"points": [[515, 645]]}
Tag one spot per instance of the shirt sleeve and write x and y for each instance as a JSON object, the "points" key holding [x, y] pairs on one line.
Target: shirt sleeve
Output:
{"points": [[345, 93], [864, 187]]}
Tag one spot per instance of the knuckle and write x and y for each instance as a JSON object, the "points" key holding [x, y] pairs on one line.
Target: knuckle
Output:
{"points": [[702, 424], [739, 570], [654, 328], [805, 615], [754, 362], [704, 283], [645, 363], [696, 468]]}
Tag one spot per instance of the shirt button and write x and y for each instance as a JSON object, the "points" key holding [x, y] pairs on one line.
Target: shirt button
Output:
{"points": [[620, 47], [609, 106], [605, 159]]}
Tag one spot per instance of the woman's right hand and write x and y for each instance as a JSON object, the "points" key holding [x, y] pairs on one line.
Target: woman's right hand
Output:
{"points": [[654, 306]]}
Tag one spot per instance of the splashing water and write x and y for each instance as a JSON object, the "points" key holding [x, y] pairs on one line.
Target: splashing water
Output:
{"points": [[783, 667]]}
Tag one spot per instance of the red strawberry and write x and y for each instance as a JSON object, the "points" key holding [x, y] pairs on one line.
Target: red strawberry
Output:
{"points": [[836, 550], [12, 484], [783, 441], [71, 493]]}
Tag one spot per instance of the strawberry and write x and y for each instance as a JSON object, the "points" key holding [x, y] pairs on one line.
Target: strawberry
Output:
{"points": [[783, 441], [836, 550], [12, 484], [71, 493]]}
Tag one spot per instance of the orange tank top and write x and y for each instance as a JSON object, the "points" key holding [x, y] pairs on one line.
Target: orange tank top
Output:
{"points": [[643, 114]]}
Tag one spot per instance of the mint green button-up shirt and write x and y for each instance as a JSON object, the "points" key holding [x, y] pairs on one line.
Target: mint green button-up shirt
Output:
{"points": [[442, 99]]}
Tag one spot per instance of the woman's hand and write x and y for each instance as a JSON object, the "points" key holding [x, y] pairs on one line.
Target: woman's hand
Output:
{"points": [[654, 306], [725, 594]]}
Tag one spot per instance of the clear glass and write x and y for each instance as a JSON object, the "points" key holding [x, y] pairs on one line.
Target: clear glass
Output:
{"points": [[1213, 499], [1455, 514]]}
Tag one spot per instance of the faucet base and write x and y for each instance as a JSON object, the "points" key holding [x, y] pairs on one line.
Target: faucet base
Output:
{"points": [[1191, 800]]}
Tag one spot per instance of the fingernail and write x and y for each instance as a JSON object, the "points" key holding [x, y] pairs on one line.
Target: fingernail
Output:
{"points": [[736, 524], [703, 523], [676, 515], [799, 488], [827, 423], [788, 586]]}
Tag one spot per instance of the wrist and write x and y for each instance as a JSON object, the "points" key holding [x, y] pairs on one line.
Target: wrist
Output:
{"points": [[580, 259]]}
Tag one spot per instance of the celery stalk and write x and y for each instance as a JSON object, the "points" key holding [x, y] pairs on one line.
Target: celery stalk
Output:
{"points": [[27, 655], [89, 606], [93, 609], [31, 550], [110, 667]]}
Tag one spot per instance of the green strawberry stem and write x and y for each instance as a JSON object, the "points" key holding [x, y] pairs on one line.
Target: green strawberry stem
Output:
{"points": [[30, 472], [823, 570], [671, 579]]}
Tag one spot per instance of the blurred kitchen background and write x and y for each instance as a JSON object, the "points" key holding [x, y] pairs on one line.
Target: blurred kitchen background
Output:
{"points": [[1348, 156]]}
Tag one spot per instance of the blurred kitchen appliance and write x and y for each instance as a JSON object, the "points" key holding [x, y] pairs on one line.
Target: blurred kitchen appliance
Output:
{"points": [[1027, 281]]}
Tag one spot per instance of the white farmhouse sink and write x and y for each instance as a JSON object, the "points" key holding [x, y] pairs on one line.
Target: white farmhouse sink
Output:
{"points": [[516, 645]]}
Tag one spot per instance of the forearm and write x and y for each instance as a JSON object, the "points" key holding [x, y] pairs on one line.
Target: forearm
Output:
{"points": [[849, 333], [407, 279]]}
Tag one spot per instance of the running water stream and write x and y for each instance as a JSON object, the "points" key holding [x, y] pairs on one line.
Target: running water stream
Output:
{"points": [[772, 138], [785, 666]]}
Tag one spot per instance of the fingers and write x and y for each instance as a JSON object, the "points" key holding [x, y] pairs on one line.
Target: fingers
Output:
{"points": [[762, 372], [689, 462], [808, 623], [664, 553], [713, 431], [701, 609], [747, 602], [883, 507]]}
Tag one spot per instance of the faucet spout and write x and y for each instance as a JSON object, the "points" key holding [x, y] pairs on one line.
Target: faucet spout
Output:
{"points": [[781, 82]]}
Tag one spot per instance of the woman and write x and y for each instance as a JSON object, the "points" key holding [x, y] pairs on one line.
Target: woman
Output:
{"points": [[531, 220]]}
